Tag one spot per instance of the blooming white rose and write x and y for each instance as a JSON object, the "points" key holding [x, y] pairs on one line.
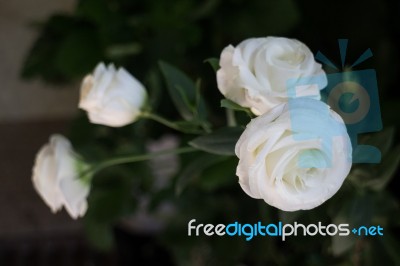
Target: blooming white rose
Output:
{"points": [[255, 73], [112, 97], [56, 177], [284, 159]]}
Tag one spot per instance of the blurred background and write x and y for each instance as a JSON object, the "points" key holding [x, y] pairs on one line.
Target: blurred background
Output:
{"points": [[46, 47]]}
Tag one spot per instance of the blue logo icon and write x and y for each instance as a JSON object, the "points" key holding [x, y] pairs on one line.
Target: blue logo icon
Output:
{"points": [[353, 94]]}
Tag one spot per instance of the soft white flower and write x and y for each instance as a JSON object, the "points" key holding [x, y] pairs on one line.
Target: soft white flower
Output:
{"points": [[255, 73], [112, 97], [56, 177], [284, 159]]}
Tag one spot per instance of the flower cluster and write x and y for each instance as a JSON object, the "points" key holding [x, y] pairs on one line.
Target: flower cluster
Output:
{"points": [[111, 97], [255, 75], [277, 162]]}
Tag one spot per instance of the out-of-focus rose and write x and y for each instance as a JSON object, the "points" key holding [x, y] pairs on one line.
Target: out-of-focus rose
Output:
{"points": [[284, 159], [255, 73], [112, 97], [56, 177]]}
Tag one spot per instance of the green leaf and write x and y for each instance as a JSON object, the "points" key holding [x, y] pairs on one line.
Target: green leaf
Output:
{"points": [[386, 170], [342, 244], [356, 211], [185, 98], [194, 169], [181, 89], [221, 174], [214, 62], [188, 127], [387, 209], [40, 61], [382, 140], [80, 42], [200, 110], [117, 51], [97, 11], [153, 80], [221, 141], [234, 106]]}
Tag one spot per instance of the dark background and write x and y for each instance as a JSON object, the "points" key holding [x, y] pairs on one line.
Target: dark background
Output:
{"points": [[136, 35]]}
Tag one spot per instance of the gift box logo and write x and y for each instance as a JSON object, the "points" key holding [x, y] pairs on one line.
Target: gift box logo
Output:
{"points": [[353, 94]]}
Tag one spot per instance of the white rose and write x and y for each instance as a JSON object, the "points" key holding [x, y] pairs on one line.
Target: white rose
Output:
{"points": [[56, 177], [271, 167], [112, 97], [254, 74]]}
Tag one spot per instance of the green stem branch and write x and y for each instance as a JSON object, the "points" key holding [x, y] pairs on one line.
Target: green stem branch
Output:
{"points": [[170, 124], [137, 158], [161, 120], [230, 117]]}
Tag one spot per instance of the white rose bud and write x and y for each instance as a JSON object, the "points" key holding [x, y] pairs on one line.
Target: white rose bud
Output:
{"points": [[56, 177], [112, 97], [288, 164], [255, 73]]}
